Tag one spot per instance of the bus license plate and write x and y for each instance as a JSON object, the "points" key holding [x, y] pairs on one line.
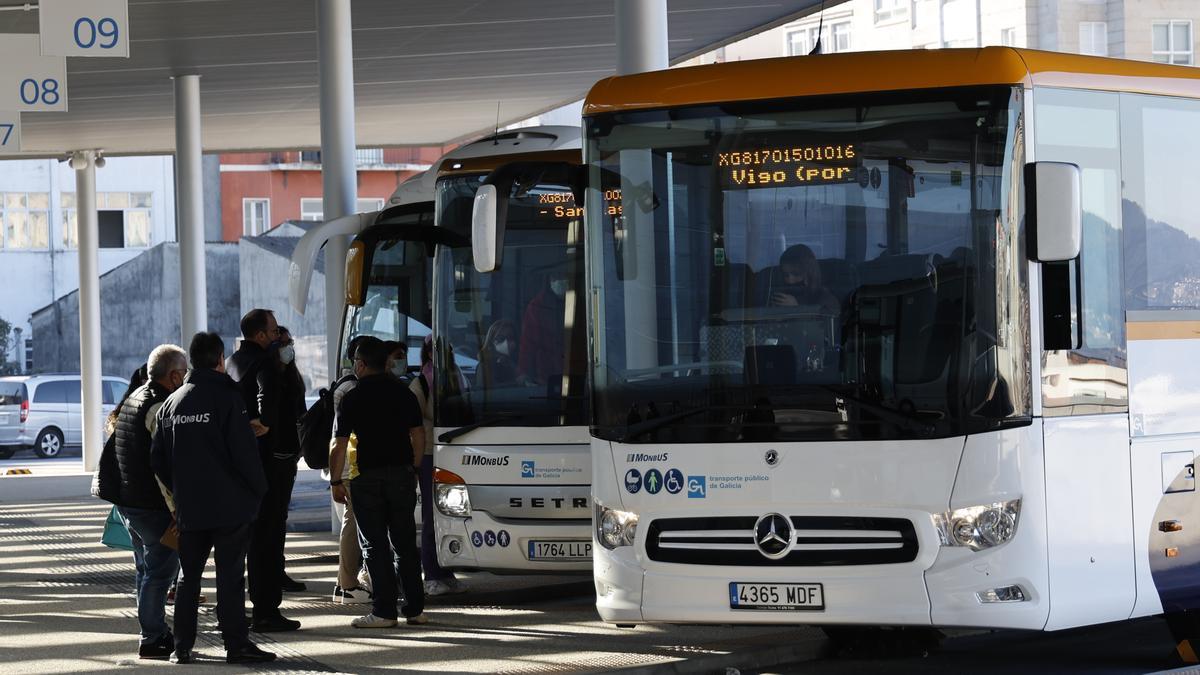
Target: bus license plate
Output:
{"points": [[743, 595], [560, 550]]}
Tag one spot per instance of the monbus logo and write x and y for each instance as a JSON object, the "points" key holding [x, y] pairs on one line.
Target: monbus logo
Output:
{"points": [[482, 460], [643, 457], [201, 418]]}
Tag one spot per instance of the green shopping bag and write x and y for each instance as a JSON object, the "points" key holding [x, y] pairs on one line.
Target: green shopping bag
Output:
{"points": [[116, 532]]}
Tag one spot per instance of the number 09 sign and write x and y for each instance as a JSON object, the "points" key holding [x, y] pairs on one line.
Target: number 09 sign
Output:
{"points": [[29, 81], [84, 27]]}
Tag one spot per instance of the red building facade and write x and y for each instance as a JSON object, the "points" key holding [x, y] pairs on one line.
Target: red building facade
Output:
{"points": [[261, 190]]}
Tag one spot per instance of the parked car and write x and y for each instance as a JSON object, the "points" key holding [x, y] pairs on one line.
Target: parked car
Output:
{"points": [[43, 412]]}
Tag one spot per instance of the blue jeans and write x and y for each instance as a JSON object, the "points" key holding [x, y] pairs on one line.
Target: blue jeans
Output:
{"points": [[157, 566]]}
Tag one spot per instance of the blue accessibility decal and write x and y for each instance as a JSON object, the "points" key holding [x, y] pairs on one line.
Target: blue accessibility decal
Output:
{"points": [[503, 539], [674, 481], [489, 538], [654, 481], [697, 487], [633, 481], [477, 539], [527, 469]]}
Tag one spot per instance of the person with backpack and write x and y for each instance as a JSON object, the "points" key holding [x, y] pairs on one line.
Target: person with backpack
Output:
{"points": [[353, 583], [438, 580], [253, 367]]}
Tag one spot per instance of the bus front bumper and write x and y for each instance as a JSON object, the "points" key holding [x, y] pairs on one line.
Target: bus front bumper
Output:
{"points": [[484, 543]]}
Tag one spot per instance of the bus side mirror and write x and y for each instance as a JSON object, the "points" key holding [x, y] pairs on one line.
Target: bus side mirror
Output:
{"points": [[488, 215], [1053, 210]]}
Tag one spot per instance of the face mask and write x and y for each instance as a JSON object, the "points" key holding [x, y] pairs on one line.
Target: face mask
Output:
{"points": [[559, 287], [287, 354], [398, 369], [504, 347]]}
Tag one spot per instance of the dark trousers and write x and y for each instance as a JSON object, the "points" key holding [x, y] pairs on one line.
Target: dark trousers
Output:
{"points": [[429, 549], [384, 500], [264, 564], [194, 547]]}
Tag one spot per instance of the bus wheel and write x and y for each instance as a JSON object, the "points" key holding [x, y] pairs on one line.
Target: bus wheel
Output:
{"points": [[883, 642]]}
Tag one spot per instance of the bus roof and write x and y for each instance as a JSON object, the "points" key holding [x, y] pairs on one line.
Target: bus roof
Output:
{"points": [[847, 73], [538, 143]]}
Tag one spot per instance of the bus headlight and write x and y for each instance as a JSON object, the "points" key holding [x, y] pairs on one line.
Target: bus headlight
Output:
{"points": [[450, 494], [979, 527], [615, 528]]}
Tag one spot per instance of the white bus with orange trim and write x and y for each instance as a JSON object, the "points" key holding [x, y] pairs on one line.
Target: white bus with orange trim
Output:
{"points": [[894, 339]]}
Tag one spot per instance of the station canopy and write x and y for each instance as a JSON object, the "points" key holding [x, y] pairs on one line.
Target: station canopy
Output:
{"points": [[426, 73]]}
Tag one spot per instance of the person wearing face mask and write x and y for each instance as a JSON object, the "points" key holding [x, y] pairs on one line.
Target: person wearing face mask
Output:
{"points": [[801, 282], [497, 367], [543, 335], [397, 362], [285, 453]]}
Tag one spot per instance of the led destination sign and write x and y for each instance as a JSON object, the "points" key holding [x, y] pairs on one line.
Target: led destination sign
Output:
{"points": [[787, 166], [561, 205]]}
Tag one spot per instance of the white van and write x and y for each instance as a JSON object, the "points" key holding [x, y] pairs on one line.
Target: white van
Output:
{"points": [[43, 412]]}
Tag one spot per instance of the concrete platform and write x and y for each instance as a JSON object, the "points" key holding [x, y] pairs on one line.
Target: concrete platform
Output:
{"points": [[66, 606]]}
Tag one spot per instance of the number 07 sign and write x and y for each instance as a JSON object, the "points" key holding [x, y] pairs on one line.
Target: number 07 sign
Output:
{"points": [[84, 27]]}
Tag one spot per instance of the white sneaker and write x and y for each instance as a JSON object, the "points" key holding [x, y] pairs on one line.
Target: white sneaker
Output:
{"points": [[364, 580], [372, 621], [351, 596], [436, 588]]}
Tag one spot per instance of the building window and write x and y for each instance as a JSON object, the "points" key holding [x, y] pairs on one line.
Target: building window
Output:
{"points": [[312, 208], [256, 214], [1172, 42], [1093, 38], [835, 37], [29, 355], [887, 10], [310, 156], [368, 156], [25, 217], [369, 204], [124, 219], [1008, 37]]}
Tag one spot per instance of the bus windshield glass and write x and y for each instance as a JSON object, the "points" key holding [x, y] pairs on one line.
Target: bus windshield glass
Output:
{"points": [[833, 268], [396, 283], [510, 343]]}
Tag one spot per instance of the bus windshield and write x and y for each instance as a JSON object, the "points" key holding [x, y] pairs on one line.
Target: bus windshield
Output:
{"points": [[833, 268], [396, 283], [516, 334]]}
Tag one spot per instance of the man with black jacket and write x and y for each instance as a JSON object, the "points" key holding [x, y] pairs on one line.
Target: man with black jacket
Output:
{"points": [[140, 500], [253, 367], [204, 452]]}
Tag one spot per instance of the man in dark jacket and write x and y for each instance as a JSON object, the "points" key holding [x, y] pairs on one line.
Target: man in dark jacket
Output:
{"points": [[140, 500], [255, 370], [205, 453]]}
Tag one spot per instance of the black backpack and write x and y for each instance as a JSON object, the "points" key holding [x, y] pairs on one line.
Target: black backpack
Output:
{"points": [[316, 427]]}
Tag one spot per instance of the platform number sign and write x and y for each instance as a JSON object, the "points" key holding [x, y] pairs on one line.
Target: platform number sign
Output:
{"points": [[10, 132], [28, 80], [84, 27]]}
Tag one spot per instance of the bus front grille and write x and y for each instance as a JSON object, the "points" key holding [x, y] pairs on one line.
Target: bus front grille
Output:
{"points": [[816, 541]]}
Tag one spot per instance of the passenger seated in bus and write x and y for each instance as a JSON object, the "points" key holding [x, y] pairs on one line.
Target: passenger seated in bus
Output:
{"points": [[800, 278], [543, 332], [497, 367]]}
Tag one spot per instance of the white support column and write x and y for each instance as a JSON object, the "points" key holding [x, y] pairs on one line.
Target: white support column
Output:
{"points": [[641, 36], [84, 163], [189, 190], [339, 176]]}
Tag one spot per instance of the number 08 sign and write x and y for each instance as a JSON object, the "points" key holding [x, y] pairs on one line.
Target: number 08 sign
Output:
{"points": [[84, 27], [29, 81]]}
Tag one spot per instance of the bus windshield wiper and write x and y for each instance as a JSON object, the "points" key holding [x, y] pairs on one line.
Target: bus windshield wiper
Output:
{"points": [[641, 428], [901, 418]]}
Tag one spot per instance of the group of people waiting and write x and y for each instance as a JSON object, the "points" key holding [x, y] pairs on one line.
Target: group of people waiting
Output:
{"points": [[203, 458]]}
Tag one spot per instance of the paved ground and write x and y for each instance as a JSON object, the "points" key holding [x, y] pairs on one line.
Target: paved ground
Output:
{"points": [[65, 607]]}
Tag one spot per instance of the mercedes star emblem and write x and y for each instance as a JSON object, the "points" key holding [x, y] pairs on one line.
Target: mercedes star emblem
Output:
{"points": [[773, 536], [772, 457]]}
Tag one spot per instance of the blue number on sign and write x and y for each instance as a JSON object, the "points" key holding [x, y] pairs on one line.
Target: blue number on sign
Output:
{"points": [[46, 91], [90, 29], [8, 128]]}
